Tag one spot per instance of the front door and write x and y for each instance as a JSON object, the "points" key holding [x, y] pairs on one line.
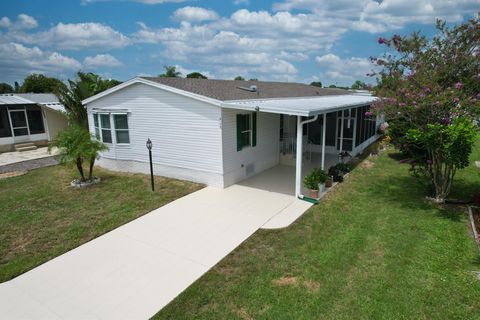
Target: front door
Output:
{"points": [[19, 125], [345, 139]]}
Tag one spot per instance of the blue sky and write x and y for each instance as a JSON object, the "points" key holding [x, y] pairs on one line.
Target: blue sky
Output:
{"points": [[280, 40]]}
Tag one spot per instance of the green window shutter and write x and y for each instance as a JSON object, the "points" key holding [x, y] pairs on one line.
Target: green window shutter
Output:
{"points": [[254, 129], [239, 131]]}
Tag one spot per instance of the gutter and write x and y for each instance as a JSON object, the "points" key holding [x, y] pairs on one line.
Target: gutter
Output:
{"points": [[298, 165]]}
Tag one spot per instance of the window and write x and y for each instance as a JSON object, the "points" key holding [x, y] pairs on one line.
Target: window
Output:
{"points": [[5, 130], [121, 128], [106, 128], [246, 130], [35, 120], [97, 126], [103, 127]]}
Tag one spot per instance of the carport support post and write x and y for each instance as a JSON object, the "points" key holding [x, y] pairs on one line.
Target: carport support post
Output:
{"points": [[298, 165], [324, 132]]}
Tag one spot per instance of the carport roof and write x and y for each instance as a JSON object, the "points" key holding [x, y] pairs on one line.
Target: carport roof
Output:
{"points": [[303, 106], [47, 100]]}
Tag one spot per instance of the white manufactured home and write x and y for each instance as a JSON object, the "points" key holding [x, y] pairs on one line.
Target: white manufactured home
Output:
{"points": [[221, 132], [29, 119]]}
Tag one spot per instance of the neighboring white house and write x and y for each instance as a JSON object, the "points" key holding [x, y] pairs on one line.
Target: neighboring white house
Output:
{"points": [[220, 132], [29, 119]]}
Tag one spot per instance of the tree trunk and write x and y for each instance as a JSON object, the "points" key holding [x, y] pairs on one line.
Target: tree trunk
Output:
{"points": [[80, 169], [90, 172], [442, 176]]}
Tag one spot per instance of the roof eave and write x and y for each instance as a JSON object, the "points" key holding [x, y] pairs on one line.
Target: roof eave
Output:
{"points": [[293, 112]]}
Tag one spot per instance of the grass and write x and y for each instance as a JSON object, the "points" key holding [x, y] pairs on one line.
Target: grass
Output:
{"points": [[372, 249], [41, 216]]}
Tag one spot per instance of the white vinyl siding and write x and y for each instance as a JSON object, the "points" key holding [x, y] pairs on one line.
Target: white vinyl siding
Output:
{"points": [[186, 133], [247, 162]]}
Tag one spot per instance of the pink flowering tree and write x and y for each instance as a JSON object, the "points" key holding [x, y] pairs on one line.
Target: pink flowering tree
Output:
{"points": [[431, 91]]}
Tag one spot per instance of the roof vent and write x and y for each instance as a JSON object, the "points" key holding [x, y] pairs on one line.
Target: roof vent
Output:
{"points": [[252, 88]]}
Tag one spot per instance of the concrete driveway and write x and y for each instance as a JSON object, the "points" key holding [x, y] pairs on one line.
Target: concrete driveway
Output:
{"points": [[135, 270]]}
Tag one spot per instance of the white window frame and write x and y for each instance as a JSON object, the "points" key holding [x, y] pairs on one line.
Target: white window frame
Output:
{"points": [[115, 129], [250, 130], [101, 127], [112, 128], [95, 127]]}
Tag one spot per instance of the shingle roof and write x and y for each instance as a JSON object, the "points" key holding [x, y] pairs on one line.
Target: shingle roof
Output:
{"points": [[225, 90]]}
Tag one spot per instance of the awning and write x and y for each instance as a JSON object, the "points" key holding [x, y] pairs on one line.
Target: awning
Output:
{"points": [[307, 106], [46, 100]]}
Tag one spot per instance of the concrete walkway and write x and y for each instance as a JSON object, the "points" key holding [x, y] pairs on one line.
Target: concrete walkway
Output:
{"points": [[26, 160], [135, 270], [16, 156]]}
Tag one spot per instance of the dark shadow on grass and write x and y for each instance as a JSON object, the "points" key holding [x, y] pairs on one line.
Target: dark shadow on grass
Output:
{"points": [[397, 156], [476, 261], [464, 190], [410, 195]]}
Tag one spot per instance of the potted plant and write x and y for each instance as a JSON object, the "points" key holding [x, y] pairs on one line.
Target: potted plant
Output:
{"points": [[322, 178], [328, 182], [311, 183], [336, 174], [338, 171], [343, 167]]}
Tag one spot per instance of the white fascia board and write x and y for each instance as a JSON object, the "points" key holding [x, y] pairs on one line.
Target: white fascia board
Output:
{"points": [[155, 85], [292, 112], [252, 107]]}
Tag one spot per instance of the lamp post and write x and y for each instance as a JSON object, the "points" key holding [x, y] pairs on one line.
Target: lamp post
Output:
{"points": [[149, 147]]}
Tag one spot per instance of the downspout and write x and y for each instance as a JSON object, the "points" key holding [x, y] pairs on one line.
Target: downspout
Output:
{"points": [[298, 166], [324, 132]]}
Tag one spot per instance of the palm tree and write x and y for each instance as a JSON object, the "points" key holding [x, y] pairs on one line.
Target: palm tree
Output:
{"points": [[83, 87], [75, 145], [170, 72]]}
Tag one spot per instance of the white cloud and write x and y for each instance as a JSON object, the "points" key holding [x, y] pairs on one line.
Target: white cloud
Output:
{"points": [[194, 14], [26, 22], [75, 36], [344, 71], [17, 60], [379, 16], [5, 22], [23, 22], [241, 2], [185, 71], [102, 60], [252, 43], [85, 2]]}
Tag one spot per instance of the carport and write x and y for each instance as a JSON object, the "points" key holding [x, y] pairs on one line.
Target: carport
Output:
{"points": [[349, 111]]}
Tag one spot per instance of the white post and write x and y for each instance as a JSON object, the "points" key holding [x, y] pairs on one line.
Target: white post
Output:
{"points": [[298, 165], [324, 130], [341, 133]]}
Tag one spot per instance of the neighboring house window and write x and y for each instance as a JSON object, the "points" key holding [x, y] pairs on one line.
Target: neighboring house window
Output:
{"points": [[35, 120], [121, 128], [97, 126], [106, 128], [5, 130], [246, 130]]}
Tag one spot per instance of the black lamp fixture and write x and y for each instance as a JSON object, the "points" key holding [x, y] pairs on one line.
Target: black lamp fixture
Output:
{"points": [[149, 147]]}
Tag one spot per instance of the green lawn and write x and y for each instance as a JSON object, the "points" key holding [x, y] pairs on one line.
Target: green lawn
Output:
{"points": [[41, 216], [372, 249]]}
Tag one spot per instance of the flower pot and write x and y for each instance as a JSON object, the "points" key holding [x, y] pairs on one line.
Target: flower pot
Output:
{"points": [[328, 183], [313, 193], [321, 188]]}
